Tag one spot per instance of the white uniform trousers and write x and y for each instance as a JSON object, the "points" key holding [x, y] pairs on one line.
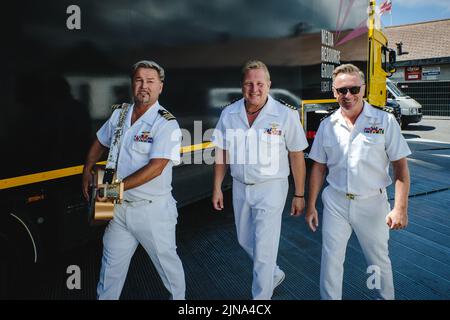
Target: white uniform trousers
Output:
{"points": [[152, 224], [257, 211], [366, 216]]}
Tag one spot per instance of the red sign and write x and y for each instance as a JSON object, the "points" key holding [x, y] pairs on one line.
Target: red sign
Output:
{"points": [[413, 73]]}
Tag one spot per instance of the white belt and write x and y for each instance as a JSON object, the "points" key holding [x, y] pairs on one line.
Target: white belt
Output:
{"points": [[371, 193], [259, 183], [133, 201], [244, 183]]}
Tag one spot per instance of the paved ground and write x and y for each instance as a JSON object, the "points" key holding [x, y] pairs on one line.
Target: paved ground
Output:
{"points": [[217, 268], [431, 127]]}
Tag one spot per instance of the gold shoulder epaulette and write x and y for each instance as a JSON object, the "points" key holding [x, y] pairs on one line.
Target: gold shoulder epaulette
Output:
{"points": [[166, 114], [327, 115], [395, 112], [287, 104], [230, 103], [118, 106], [386, 109]]}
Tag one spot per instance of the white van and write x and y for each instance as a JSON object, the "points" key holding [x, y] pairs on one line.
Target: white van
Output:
{"points": [[411, 110]]}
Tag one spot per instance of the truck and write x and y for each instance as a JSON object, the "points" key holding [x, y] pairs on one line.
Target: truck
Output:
{"points": [[69, 61]]}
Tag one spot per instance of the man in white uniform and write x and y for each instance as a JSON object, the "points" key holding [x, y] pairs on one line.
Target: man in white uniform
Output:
{"points": [[257, 136], [150, 145], [357, 143]]}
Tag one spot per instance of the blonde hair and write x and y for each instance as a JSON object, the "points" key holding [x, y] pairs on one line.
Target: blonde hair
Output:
{"points": [[255, 64], [348, 68]]}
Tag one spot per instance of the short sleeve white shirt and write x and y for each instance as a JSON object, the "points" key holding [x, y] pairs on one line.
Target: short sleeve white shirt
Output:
{"points": [[358, 159], [150, 137], [260, 152]]}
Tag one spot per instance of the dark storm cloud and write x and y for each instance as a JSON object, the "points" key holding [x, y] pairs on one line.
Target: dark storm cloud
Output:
{"points": [[175, 22]]}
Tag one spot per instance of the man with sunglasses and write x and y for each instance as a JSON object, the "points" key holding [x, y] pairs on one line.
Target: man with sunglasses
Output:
{"points": [[356, 143]]}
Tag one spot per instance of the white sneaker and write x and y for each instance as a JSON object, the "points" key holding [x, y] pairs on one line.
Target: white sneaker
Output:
{"points": [[277, 280]]}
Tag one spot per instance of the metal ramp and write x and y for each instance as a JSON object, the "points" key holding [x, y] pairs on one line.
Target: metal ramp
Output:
{"points": [[217, 268]]}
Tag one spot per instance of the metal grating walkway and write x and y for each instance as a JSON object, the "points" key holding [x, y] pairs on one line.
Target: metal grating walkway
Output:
{"points": [[217, 268]]}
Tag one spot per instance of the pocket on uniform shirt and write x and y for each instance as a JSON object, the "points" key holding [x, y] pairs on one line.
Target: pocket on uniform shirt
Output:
{"points": [[371, 146], [270, 139], [331, 142], [373, 139], [140, 154], [141, 147]]}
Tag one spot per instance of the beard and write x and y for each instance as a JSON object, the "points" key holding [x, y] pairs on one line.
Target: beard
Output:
{"points": [[142, 98]]}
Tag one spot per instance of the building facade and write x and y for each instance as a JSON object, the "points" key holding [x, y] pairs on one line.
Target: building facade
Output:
{"points": [[423, 63]]}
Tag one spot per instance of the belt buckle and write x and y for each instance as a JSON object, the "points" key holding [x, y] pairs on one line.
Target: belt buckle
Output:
{"points": [[350, 196]]}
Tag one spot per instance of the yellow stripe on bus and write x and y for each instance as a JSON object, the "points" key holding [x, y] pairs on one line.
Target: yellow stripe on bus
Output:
{"points": [[71, 171], [197, 147], [41, 176], [318, 101]]}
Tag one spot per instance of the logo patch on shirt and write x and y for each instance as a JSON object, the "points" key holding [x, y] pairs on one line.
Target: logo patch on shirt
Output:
{"points": [[273, 130], [374, 130], [143, 137]]}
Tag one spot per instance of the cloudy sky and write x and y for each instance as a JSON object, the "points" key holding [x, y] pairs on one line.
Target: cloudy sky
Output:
{"points": [[413, 11]]}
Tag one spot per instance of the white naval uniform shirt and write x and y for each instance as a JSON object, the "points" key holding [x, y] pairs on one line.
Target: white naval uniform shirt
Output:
{"points": [[358, 159], [151, 136], [259, 153]]}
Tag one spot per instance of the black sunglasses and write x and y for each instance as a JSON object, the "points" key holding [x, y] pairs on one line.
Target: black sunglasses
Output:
{"points": [[353, 90]]}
